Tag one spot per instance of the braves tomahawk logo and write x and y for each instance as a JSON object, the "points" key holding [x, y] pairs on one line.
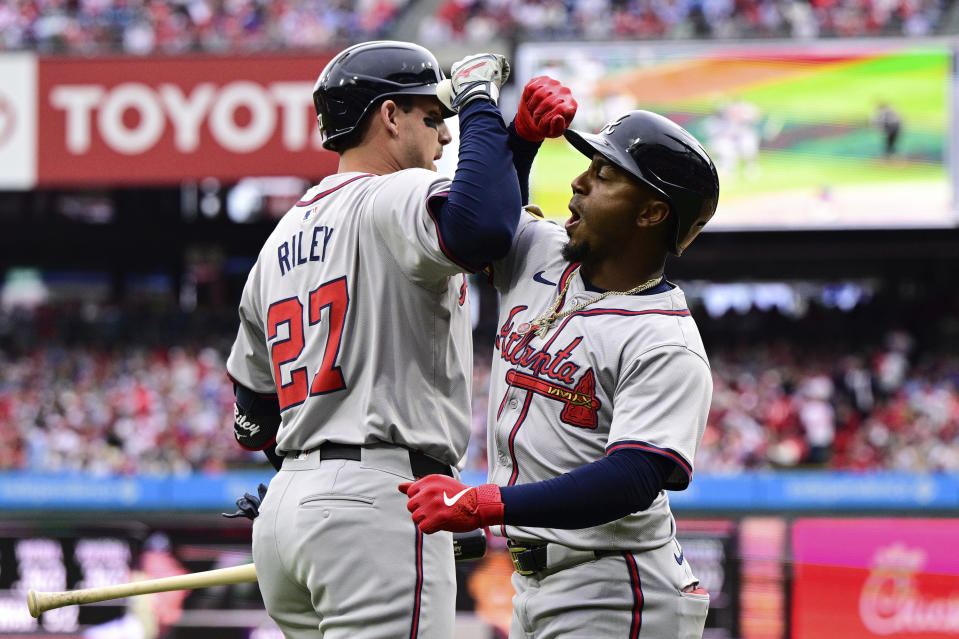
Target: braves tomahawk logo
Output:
{"points": [[580, 403], [608, 129]]}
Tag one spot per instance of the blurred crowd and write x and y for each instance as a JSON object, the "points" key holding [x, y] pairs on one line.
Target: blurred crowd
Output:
{"points": [[106, 412], [479, 20], [779, 406], [107, 391], [146, 400], [151, 26], [178, 26]]}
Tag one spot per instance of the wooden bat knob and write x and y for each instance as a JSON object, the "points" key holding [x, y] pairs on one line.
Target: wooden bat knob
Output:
{"points": [[32, 604]]}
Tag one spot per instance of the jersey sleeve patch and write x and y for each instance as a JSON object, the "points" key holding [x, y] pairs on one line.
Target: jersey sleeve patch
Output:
{"points": [[682, 473]]}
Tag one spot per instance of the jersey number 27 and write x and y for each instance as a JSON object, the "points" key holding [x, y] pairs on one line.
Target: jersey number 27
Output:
{"points": [[328, 378]]}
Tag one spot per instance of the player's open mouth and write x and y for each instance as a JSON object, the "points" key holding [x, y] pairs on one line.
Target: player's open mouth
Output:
{"points": [[573, 219]]}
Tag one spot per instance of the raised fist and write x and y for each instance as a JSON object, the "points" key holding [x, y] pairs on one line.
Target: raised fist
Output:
{"points": [[546, 109], [475, 77]]}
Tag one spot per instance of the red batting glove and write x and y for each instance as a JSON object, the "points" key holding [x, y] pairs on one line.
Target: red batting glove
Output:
{"points": [[546, 108], [439, 502]]}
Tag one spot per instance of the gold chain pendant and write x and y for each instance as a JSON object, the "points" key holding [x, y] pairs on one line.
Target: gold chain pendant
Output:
{"points": [[545, 321], [541, 330]]}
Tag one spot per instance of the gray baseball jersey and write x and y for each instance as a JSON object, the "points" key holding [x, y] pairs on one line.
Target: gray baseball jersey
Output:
{"points": [[625, 371], [359, 322], [354, 315]]}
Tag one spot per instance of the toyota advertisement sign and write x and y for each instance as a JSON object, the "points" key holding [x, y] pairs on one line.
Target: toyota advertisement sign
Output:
{"points": [[68, 121]]}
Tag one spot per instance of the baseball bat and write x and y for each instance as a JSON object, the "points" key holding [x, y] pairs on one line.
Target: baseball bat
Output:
{"points": [[39, 602], [466, 546]]}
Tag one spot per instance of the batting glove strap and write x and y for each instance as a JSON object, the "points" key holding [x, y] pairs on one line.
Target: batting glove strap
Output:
{"points": [[489, 505], [546, 109], [475, 77]]}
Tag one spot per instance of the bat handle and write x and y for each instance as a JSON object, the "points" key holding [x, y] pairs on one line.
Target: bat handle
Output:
{"points": [[40, 602]]}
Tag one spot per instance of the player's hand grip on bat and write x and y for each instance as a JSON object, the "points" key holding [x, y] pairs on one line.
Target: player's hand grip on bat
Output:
{"points": [[475, 77], [248, 505], [546, 109], [439, 502]]}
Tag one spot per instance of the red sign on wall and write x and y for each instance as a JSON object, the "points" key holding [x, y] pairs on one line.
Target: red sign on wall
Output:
{"points": [[163, 120], [865, 578]]}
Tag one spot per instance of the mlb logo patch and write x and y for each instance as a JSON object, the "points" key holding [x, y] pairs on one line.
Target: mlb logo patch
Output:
{"points": [[310, 211]]}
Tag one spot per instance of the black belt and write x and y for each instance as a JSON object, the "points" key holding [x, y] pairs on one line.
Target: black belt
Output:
{"points": [[527, 558], [530, 558], [420, 463]]}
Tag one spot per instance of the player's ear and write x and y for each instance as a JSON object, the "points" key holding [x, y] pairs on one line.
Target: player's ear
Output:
{"points": [[653, 212], [387, 115]]}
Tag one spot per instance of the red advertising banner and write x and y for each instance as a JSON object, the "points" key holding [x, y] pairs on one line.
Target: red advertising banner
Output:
{"points": [[864, 578], [164, 120]]}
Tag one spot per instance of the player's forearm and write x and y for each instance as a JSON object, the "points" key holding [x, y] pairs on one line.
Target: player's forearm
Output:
{"points": [[479, 218], [275, 459], [623, 482], [594, 494], [524, 152]]}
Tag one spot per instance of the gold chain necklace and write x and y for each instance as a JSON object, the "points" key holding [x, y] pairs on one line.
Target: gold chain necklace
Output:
{"points": [[545, 321]]}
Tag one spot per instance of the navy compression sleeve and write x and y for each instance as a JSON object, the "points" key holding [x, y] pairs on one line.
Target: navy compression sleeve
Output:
{"points": [[478, 219], [524, 152], [624, 482]]}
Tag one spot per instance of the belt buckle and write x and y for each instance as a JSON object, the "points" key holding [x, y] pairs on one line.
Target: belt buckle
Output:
{"points": [[514, 552]]}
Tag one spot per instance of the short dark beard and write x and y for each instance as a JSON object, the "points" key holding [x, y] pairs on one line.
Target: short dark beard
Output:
{"points": [[576, 253]]}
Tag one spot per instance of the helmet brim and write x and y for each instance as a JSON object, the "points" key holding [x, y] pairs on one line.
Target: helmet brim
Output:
{"points": [[591, 143], [428, 90]]}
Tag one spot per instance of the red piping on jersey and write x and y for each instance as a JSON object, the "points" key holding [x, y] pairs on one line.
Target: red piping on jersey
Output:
{"points": [[512, 437], [610, 311], [328, 191], [439, 236], [568, 273], [418, 591], [512, 440], [626, 313], [637, 584], [665, 452], [502, 404]]}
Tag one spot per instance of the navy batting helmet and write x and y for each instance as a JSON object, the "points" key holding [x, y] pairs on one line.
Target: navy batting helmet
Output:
{"points": [[365, 72], [664, 156]]}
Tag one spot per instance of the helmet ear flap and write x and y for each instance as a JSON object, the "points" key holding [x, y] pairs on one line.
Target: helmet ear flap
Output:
{"points": [[335, 107]]}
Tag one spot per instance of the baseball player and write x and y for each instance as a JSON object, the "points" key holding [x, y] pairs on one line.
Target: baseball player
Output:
{"points": [[599, 393], [354, 354]]}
